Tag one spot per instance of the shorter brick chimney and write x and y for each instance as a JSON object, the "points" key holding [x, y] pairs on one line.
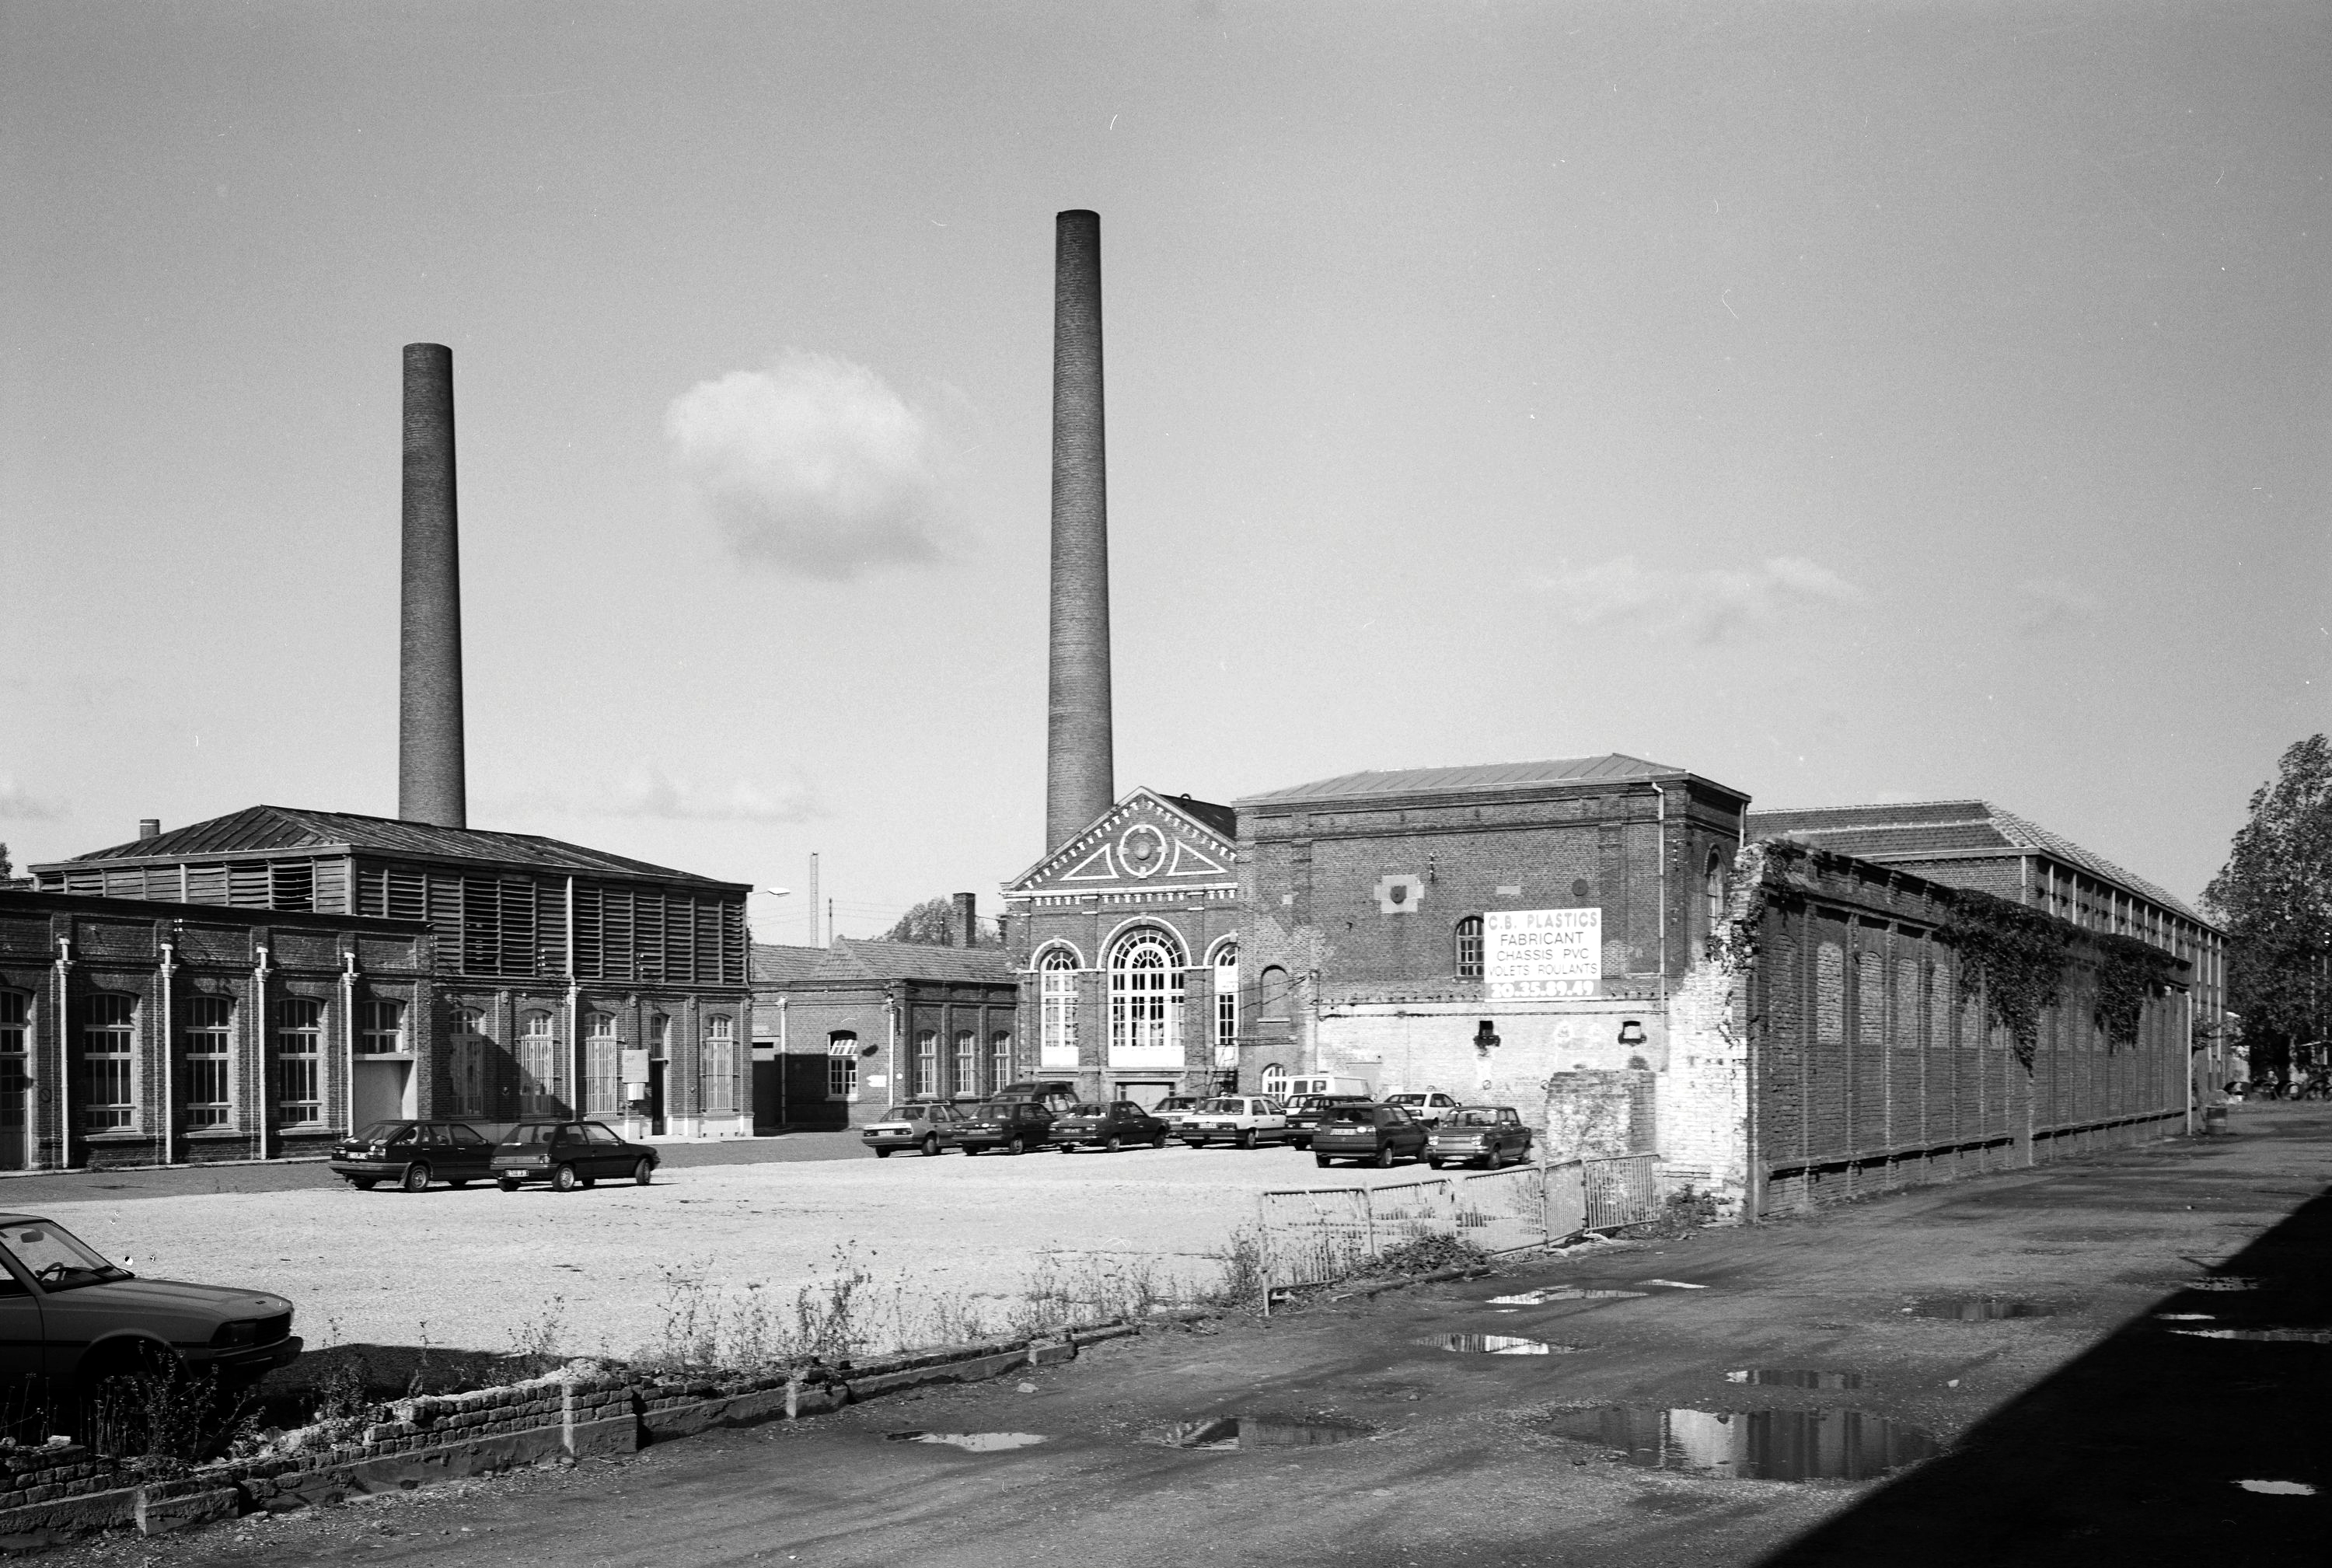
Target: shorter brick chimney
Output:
{"points": [[149, 828], [967, 923]]}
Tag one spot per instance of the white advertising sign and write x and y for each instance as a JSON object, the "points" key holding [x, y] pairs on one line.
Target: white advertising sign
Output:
{"points": [[1542, 952]]}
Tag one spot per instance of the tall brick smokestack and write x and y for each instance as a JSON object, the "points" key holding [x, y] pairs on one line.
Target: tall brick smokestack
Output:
{"points": [[429, 764], [1079, 762]]}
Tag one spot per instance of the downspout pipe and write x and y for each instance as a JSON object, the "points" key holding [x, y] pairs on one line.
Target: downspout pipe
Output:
{"points": [[1662, 895]]}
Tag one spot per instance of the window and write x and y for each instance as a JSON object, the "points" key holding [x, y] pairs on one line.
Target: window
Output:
{"points": [[299, 1035], [842, 1065], [210, 1027], [999, 1054], [1226, 973], [15, 1024], [1275, 1081], [602, 1062], [538, 1054], [1146, 995], [659, 1038], [380, 1029], [108, 1038], [927, 1063], [967, 1062], [720, 1065], [1057, 982], [468, 1064], [1713, 889], [1469, 948]]}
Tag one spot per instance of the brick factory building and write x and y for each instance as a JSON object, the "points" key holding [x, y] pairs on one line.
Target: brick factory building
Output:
{"points": [[564, 981]]}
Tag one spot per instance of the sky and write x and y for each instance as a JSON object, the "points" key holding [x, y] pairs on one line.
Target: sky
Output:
{"points": [[1847, 402]]}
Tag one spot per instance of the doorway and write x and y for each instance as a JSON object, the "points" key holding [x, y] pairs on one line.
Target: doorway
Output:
{"points": [[382, 1091], [655, 1099]]}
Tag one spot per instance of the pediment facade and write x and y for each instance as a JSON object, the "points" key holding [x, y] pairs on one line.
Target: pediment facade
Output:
{"points": [[1145, 845]]}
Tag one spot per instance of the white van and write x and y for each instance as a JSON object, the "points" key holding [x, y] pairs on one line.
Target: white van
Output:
{"points": [[1319, 1084]]}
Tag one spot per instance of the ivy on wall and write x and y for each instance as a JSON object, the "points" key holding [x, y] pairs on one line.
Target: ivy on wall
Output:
{"points": [[2018, 956], [2128, 973]]}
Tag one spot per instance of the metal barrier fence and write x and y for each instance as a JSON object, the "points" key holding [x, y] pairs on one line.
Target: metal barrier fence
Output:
{"points": [[1318, 1234]]}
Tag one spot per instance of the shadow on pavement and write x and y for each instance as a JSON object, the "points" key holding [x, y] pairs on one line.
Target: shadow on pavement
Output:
{"points": [[2133, 1453]]}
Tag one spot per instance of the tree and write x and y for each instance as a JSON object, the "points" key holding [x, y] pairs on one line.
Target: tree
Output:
{"points": [[7, 869], [931, 922], [2275, 899]]}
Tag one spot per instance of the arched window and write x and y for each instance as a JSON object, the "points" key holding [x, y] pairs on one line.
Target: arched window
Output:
{"points": [[1712, 887], [1226, 999], [380, 1029], [719, 1068], [999, 1057], [967, 1063], [602, 1063], [1469, 948], [538, 1055], [1145, 1000], [1058, 986], [109, 1037], [1275, 1081], [927, 1064], [659, 1038], [842, 1065], [209, 1032], [469, 1073], [298, 1041], [1271, 993]]}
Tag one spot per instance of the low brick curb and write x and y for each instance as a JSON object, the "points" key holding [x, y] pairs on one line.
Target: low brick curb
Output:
{"points": [[51, 1495]]}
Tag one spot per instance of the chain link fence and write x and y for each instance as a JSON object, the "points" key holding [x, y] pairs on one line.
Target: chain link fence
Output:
{"points": [[1319, 1235]]}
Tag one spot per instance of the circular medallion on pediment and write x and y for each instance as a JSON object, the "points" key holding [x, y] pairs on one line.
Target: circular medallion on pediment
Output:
{"points": [[1142, 850]]}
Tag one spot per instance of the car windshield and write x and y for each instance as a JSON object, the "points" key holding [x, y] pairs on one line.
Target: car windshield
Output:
{"points": [[1229, 1107], [1472, 1119], [56, 1257], [1362, 1113], [1404, 1099], [1086, 1111], [534, 1132], [902, 1112], [381, 1132]]}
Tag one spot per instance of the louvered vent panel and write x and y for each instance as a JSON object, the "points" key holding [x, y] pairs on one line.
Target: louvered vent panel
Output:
{"points": [[734, 944], [125, 882], [550, 928], [409, 895], [648, 935], [331, 887], [207, 885], [292, 886], [162, 883], [444, 906], [679, 937], [516, 936], [620, 951], [372, 890], [708, 941], [590, 955], [249, 886]]}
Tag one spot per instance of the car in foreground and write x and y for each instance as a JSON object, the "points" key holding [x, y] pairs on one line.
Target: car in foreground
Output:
{"points": [[568, 1155], [1491, 1134], [1108, 1127], [1428, 1107], [413, 1155], [930, 1125], [1014, 1126], [1304, 1115], [1244, 1120], [1369, 1134], [72, 1317]]}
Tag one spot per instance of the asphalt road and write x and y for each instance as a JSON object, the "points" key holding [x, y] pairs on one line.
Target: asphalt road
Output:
{"points": [[2103, 1431]]}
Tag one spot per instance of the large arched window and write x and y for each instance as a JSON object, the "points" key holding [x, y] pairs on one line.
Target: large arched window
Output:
{"points": [[926, 1082], [1712, 890], [1226, 1002], [1275, 1081], [298, 1059], [967, 1064], [380, 1029], [109, 1031], [1145, 1000], [602, 1065], [999, 1057], [209, 1032], [718, 1069], [469, 1064], [842, 1065], [538, 1055], [1056, 982], [1469, 948]]}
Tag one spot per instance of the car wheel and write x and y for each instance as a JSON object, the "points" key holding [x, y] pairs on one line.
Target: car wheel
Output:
{"points": [[416, 1179], [363, 1183], [1015, 1145], [1159, 1141], [566, 1178], [1322, 1160], [137, 1373], [1246, 1139], [931, 1145], [1111, 1144], [643, 1173], [1384, 1156], [881, 1153], [507, 1183]]}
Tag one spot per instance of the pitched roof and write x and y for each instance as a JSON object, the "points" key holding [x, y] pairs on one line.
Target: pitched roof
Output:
{"points": [[1936, 830], [1221, 818], [261, 829], [851, 959], [1609, 767]]}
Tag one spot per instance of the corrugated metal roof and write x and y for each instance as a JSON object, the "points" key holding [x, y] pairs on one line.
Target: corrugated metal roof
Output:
{"points": [[1944, 827], [1611, 765], [286, 828], [851, 959]]}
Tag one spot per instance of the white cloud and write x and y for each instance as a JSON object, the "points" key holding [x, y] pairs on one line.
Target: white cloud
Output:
{"points": [[18, 804], [813, 466], [650, 792], [2044, 606], [1715, 605]]}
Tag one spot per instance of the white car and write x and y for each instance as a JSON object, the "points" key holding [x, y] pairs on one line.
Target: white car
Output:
{"points": [[1428, 1107], [1246, 1120]]}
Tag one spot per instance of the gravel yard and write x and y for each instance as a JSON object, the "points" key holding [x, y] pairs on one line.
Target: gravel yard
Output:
{"points": [[482, 1270]]}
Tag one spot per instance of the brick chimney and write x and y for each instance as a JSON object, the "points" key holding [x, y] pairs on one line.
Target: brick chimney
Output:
{"points": [[149, 828], [965, 930], [1079, 765], [429, 764]]}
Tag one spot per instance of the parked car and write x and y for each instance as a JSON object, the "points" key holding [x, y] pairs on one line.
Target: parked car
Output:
{"points": [[1304, 1115], [1322, 1084], [71, 1319], [568, 1155], [1372, 1134], [1492, 1134], [1014, 1126], [1175, 1108], [1108, 1127], [930, 1125], [1056, 1094], [1246, 1120], [1428, 1107], [413, 1155]]}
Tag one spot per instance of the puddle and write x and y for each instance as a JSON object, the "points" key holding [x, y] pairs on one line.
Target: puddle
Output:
{"points": [[2221, 1282], [1498, 1344], [2279, 1488], [1794, 1378], [1978, 1308], [2290, 1336], [2183, 1316], [1541, 1297], [1225, 1434], [1754, 1444], [972, 1442], [1673, 1284]]}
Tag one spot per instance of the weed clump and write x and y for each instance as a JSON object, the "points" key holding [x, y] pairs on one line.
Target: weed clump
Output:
{"points": [[1428, 1255]]}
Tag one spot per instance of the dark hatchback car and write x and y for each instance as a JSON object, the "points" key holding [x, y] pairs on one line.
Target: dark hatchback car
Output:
{"points": [[1108, 1127], [1370, 1134], [1014, 1126], [413, 1155], [69, 1319], [568, 1155], [1304, 1113]]}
